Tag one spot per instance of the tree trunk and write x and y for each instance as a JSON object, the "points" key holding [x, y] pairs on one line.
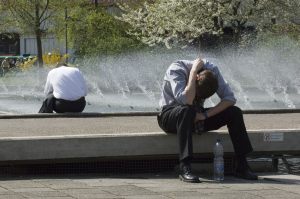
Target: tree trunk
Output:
{"points": [[38, 34], [39, 47]]}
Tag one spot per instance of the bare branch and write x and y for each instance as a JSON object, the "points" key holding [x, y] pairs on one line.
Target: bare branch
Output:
{"points": [[44, 10]]}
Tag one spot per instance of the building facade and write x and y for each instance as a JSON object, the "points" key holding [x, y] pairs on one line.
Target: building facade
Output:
{"points": [[9, 44], [15, 44]]}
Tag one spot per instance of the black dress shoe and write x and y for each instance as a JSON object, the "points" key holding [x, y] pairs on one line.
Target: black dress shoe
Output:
{"points": [[187, 176], [245, 174]]}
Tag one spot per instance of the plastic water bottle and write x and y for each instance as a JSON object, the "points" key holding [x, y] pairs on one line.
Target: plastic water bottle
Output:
{"points": [[218, 161]]}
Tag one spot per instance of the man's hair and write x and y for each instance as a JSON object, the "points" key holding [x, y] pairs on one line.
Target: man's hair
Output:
{"points": [[207, 85]]}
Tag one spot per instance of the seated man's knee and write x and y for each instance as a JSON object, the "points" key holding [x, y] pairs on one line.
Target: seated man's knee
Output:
{"points": [[188, 111], [235, 111]]}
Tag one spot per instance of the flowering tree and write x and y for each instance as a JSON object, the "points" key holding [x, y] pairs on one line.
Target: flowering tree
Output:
{"points": [[171, 21]]}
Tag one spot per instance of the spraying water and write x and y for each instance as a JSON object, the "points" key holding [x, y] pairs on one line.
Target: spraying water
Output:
{"points": [[261, 78]]}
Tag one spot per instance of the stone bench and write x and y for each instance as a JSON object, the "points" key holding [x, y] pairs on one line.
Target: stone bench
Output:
{"points": [[37, 137], [138, 145]]}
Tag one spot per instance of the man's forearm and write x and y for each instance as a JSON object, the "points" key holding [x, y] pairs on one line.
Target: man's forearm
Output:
{"points": [[221, 106], [190, 89]]}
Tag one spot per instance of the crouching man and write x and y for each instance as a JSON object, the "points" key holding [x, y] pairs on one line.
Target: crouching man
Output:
{"points": [[65, 90]]}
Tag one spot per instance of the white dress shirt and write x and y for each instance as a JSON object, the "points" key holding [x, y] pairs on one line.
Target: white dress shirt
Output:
{"points": [[66, 83]]}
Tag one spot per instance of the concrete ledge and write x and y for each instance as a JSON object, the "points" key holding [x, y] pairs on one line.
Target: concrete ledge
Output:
{"points": [[122, 114], [105, 136], [266, 141]]}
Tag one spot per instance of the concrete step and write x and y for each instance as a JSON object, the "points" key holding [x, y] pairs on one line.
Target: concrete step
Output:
{"points": [[139, 144], [49, 138]]}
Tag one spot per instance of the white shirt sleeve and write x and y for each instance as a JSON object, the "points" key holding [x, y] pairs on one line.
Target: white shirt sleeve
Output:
{"points": [[84, 87], [48, 86]]}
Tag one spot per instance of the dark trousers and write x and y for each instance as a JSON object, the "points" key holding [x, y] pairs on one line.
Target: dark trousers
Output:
{"points": [[179, 119], [51, 104]]}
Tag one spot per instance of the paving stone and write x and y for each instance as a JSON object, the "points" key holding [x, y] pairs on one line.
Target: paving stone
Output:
{"points": [[81, 191], [275, 194], [52, 198], [95, 195], [126, 190], [182, 186], [139, 181], [106, 182], [12, 196], [253, 186], [123, 181], [20, 184], [4, 191], [90, 182], [235, 195], [146, 197], [213, 195], [39, 194], [287, 187], [32, 189], [63, 184], [7, 193], [182, 194], [208, 191], [89, 193]]}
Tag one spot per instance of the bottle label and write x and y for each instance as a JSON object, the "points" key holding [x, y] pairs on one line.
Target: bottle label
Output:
{"points": [[219, 167]]}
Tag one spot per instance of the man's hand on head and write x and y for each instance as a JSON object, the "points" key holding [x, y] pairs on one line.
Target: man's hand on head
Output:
{"points": [[197, 65]]}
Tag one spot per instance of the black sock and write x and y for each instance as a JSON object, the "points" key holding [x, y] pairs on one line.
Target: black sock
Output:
{"points": [[242, 163]]}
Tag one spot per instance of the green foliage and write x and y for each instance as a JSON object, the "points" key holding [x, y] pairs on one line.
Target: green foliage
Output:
{"points": [[27, 16], [291, 30], [32, 17], [94, 31], [280, 33], [173, 22]]}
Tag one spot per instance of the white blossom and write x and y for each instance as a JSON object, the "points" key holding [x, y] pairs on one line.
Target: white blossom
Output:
{"points": [[172, 22]]}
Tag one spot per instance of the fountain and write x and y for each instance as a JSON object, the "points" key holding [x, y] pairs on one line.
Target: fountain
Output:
{"points": [[263, 78]]}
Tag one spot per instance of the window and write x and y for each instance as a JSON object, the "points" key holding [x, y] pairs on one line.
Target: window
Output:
{"points": [[12, 49], [3, 49]]}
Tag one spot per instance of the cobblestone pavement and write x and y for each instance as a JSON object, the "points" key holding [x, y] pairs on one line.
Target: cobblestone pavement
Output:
{"points": [[149, 185]]}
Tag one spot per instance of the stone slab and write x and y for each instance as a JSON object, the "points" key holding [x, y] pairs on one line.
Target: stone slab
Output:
{"points": [[125, 136], [38, 125]]}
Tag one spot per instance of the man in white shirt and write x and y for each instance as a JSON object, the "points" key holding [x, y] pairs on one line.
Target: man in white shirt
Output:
{"points": [[65, 90]]}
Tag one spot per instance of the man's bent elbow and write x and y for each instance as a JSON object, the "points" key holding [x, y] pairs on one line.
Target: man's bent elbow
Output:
{"points": [[229, 102], [189, 100], [185, 98]]}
